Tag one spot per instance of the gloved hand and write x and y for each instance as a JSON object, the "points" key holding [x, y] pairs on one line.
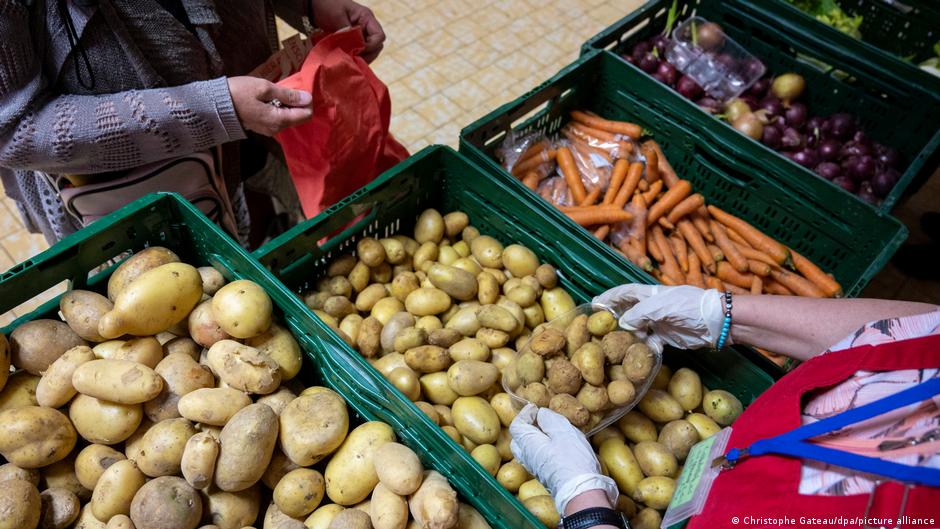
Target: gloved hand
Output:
{"points": [[558, 454], [685, 317]]}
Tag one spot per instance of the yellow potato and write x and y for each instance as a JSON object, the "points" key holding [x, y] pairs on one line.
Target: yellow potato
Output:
{"points": [[464, 321], [406, 381], [446, 418], [435, 503], [621, 392], [60, 508], [401, 471], [660, 406], [530, 368], [146, 351], [608, 432], [232, 510], [679, 437], [381, 273], [299, 492], [245, 447], [621, 464], [471, 377], [137, 264], [589, 359], [20, 505], [198, 462], [655, 459], [436, 388], [369, 339], [487, 251], [153, 302], [212, 279], [504, 407], [556, 302], [120, 381], [389, 362], [242, 308], [392, 327], [638, 363], [577, 334], [36, 344], [279, 344], [594, 398], [427, 359], [161, 449], [33, 437], [427, 301], [512, 475], [519, 260], [703, 424], [350, 474], [213, 406], [385, 308], [601, 322], [166, 502], [523, 295], [488, 457], [429, 227], [487, 288], [543, 507], [469, 233], [408, 338], [370, 251], [181, 374], [55, 388], [426, 254], [457, 283], [394, 251], [476, 419], [87, 520], [243, 367], [358, 277], [468, 349], [323, 516], [279, 466], [686, 387], [571, 408], [387, 509], [721, 406], [203, 326], [546, 276], [655, 491], [11, 471], [122, 521], [531, 489], [663, 376], [82, 309], [313, 426], [116, 488], [455, 222], [92, 461], [501, 357], [496, 317]]}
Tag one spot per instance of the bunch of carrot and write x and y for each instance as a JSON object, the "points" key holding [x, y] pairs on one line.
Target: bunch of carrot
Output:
{"points": [[655, 220]]}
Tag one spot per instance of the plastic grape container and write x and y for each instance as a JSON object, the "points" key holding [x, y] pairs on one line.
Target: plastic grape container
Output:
{"points": [[602, 348]]}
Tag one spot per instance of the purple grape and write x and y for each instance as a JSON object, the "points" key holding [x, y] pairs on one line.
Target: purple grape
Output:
{"points": [[759, 88], [772, 137], [648, 62], [806, 157], [667, 73], [796, 115], [860, 168], [688, 87], [772, 105], [828, 170], [887, 156], [828, 150], [842, 125], [866, 193], [792, 138], [845, 183], [642, 48], [883, 182]]}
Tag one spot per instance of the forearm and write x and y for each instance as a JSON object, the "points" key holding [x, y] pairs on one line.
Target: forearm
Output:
{"points": [[586, 500], [804, 327]]}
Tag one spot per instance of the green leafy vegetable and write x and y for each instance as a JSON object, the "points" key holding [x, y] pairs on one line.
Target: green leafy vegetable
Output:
{"points": [[671, 17], [829, 12]]}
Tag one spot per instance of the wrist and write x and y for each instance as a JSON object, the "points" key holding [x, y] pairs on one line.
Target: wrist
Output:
{"points": [[586, 500]]}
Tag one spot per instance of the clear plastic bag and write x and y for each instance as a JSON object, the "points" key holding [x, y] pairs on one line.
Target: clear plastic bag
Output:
{"points": [[555, 190], [529, 149]]}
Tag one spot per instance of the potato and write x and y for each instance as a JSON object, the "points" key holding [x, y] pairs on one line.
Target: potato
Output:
{"points": [[621, 465], [299, 492], [594, 398], [146, 351], [213, 406], [546, 276], [406, 381], [543, 507], [181, 375], [198, 462], [471, 377], [279, 466], [505, 409], [655, 491], [120, 381], [453, 434], [388, 363], [703, 424], [435, 504], [244, 368], [721, 406], [488, 457], [437, 389], [638, 363], [4, 361], [404, 283], [549, 342], [81, 310], [571, 408], [393, 327], [679, 437], [601, 322], [11, 471], [455, 222], [469, 233], [166, 503], [686, 387], [533, 315], [660, 406], [487, 288], [313, 426], [556, 302], [232, 510], [426, 254], [655, 459], [122, 521], [531, 489], [154, 302], [395, 252], [427, 301], [487, 251], [621, 392], [457, 283], [351, 519], [351, 325], [242, 308], [20, 505], [60, 508], [401, 471], [387, 509], [246, 444], [408, 338], [92, 461], [492, 338], [350, 474], [468, 349], [369, 340], [564, 377], [338, 306], [476, 419], [663, 376], [369, 296], [116, 488], [212, 280], [341, 266], [203, 326], [137, 264], [36, 344], [615, 345], [427, 359], [33, 437], [55, 387], [502, 357], [530, 368], [577, 334], [496, 317], [464, 321], [589, 359], [279, 344], [314, 300], [323, 516], [519, 260], [512, 475], [20, 390], [87, 520], [161, 449], [608, 432], [429, 227], [429, 410], [536, 393]]}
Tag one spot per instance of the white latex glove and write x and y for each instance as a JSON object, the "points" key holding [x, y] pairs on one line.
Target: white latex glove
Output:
{"points": [[558, 454], [685, 317]]}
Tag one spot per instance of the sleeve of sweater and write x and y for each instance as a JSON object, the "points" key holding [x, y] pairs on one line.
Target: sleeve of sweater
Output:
{"points": [[63, 133]]}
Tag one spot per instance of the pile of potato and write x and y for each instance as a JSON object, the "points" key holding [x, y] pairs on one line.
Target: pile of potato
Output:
{"points": [[172, 404], [441, 315]]}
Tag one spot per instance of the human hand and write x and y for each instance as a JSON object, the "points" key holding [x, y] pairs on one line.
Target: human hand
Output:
{"points": [[252, 98], [558, 454], [685, 317], [331, 15]]}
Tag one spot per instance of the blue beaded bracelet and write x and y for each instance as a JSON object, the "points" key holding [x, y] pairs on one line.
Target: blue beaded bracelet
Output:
{"points": [[726, 325]]}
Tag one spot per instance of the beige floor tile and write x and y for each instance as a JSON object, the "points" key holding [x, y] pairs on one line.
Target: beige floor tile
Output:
{"points": [[5, 261], [468, 95], [447, 134], [454, 67], [388, 10], [480, 54], [519, 65], [606, 14], [425, 82], [409, 127], [414, 56], [403, 98], [9, 221], [543, 52], [438, 110], [442, 44], [502, 41], [466, 30], [22, 245], [494, 79], [389, 69]]}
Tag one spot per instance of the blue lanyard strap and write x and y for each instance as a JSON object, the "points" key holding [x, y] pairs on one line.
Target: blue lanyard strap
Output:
{"points": [[793, 443]]}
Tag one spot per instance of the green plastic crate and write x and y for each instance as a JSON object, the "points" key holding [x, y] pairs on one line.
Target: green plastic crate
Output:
{"points": [[437, 177], [894, 108], [167, 220]]}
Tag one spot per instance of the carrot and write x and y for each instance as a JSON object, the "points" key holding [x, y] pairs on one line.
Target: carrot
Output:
{"points": [[773, 287], [639, 223], [666, 172], [521, 168], [728, 274], [665, 224], [569, 170], [635, 256], [713, 282], [728, 248], [643, 186], [652, 163], [716, 252], [634, 173], [624, 149], [617, 178], [654, 190], [593, 133], [682, 251], [694, 239], [645, 262], [669, 200], [585, 145], [757, 286], [734, 289], [591, 197], [829, 286], [695, 271], [531, 180], [686, 207], [620, 127], [797, 284], [752, 235], [602, 232], [754, 255], [668, 265], [758, 268], [669, 280], [594, 215], [533, 150]]}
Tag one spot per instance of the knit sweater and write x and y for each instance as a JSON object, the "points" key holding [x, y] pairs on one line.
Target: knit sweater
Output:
{"points": [[159, 88]]}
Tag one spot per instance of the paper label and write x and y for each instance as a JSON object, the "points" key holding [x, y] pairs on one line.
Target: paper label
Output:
{"points": [[696, 480]]}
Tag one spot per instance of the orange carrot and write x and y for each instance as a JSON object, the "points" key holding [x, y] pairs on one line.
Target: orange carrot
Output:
{"points": [[758, 268], [686, 207], [639, 223], [593, 133], [829, 286], [668, 265], [694, 239], [734, 289], [669, 280], [700, 219], [716, 252], [634, 173], [620, 127], [635, 256], [754, 255], [602, 232], [644, 260], [773, 287], [695, 271], [654, 190], [521, 168], [733, 235], [728, 248], [666, 172], [569, 169], [585, 145], [728, 274], [757, 286], [652, 163], [643, 186], [594, 215], [665, 224], [531, 180], [591, 197], [533, 150], [624, 149], [797, 284], [682, 251], [616, 180], [752, 235], [669, 200], [713, 282]]}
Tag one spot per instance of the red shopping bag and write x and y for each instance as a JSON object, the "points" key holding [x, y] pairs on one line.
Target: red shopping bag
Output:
{"points": [[347, 142]]}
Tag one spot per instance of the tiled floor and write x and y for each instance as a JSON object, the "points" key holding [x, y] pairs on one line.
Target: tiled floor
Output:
{"points": [[449, 62]]}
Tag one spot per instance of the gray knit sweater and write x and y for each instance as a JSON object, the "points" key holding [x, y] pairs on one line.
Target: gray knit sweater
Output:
{"points": [[159, 88]]}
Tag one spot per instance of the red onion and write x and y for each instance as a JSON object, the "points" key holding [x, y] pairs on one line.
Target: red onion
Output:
{"points": [[828, 150], [688, 87], [828, 170], [887, 156], [796, 115], [772, 105], [806, 157], [860, 168], [772, 137], [792, 138], [759, 88], [845, 183], [883, 182], [865, 193], [842, 125], [648, 63], [667, 73], [641, 49]]}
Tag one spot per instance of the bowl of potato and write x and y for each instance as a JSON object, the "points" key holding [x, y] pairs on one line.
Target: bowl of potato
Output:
{"points": [[583, 366]]}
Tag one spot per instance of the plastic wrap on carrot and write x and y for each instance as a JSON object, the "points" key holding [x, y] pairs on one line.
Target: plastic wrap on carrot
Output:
{"points": [[569, 169]]}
